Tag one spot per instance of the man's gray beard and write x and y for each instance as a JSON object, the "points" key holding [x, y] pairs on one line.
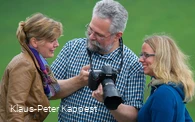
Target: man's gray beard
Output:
{"points": [[96, 47]]}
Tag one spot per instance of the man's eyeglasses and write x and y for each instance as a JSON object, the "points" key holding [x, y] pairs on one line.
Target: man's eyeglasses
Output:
{"points": [[98, 36], [146, 55]]}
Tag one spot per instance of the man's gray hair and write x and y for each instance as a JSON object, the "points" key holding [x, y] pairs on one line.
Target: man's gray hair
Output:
{"points": [[113, 10]]}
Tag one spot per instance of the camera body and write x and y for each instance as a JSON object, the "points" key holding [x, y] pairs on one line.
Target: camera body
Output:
{"points": [[107, 77]]}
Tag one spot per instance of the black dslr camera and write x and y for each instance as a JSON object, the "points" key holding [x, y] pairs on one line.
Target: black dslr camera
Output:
{"points": [[107, 77]]}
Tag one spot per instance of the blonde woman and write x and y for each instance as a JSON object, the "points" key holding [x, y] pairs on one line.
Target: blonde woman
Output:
{"points": [[27, 83], [172, 83]]}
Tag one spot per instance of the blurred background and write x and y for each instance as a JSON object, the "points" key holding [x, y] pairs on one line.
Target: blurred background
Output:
{"points": [[173, 17]]}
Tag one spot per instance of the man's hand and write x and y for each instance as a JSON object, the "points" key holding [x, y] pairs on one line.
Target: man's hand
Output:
{"points": [[84, 75], [98, 94]]}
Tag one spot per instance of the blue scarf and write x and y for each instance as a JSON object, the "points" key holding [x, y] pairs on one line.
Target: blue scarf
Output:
{"points": [[50, 85]]}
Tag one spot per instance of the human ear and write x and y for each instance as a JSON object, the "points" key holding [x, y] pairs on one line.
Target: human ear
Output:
{"points": [[118, 35], [33, 42]]}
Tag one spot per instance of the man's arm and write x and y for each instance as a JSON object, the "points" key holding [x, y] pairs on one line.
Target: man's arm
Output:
{"points": [[124, 113]]}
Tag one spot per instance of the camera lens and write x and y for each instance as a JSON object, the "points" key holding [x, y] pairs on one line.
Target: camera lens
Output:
{"points": [[112, 98]]}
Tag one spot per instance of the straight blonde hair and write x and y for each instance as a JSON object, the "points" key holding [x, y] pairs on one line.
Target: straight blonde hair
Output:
{"points": [[171, 64]]}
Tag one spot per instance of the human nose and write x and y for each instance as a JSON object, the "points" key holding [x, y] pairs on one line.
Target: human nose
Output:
{"points": [[141, 59], [56, 43], [92, 36]]}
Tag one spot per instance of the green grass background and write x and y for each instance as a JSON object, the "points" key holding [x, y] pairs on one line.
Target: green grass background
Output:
{"points": [[174, 17]]}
